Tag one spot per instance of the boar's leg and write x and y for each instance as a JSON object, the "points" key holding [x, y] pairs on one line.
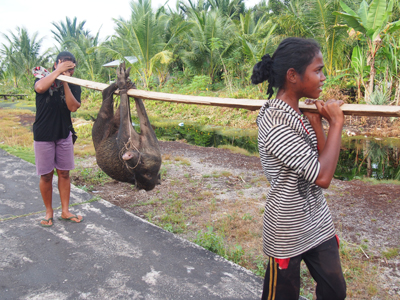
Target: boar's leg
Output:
{"points": [[128, 139], [103, 127], [149, 144], [146, 131]]}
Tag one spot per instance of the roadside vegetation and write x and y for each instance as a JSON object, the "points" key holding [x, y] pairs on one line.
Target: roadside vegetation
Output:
{"points": [[208, 48]]}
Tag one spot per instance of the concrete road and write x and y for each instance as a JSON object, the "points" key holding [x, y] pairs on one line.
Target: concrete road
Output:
{"points": [[111, 255]]}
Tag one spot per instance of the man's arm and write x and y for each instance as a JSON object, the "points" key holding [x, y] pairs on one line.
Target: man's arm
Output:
{"points": [[42, 85], [70, 100]]}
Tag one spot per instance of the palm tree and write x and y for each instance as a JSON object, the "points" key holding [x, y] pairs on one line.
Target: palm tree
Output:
{"points": [[22, 54], [10, 69], [143, 36], [88, 56], [294, 19], [314, 19], [68, 31], [257, 37], [210, 40], [329, 34], [228, 8]]}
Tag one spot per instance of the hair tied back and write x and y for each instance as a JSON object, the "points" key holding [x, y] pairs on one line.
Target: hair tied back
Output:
{"points": [[267, 59], [262, 70]]}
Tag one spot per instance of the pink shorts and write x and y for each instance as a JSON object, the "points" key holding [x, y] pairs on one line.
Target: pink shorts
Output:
{"points": [[57, 154]]}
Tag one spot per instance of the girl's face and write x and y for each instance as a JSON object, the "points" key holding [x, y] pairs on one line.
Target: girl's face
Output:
{"points": [[313, 78]]}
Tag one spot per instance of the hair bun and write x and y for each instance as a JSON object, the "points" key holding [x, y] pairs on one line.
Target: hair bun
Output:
{"points": [[262, 70]]}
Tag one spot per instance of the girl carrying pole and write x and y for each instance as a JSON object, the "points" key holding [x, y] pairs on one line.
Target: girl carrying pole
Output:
{"points": [[298, 160]]}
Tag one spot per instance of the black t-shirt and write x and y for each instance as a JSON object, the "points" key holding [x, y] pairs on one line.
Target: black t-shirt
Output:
{"points": [[53, 118]]}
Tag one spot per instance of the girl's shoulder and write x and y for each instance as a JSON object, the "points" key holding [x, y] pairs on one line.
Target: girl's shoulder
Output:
{"points": [[275, 112]]}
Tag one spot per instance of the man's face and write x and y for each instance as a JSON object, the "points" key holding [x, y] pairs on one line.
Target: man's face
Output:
{"points": [[65, 59]]}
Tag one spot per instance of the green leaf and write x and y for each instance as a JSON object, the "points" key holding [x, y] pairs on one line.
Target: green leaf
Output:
{"points": [[351, 21], [389, 8], [90, 50], [376, 14], [376, 34], [370, 33], [392, 27], [164, 57], [348, 10], [363, 12], [356, 58]]}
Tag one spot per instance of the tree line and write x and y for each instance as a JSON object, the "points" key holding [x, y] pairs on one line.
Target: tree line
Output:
{"points": [[221, 40]]}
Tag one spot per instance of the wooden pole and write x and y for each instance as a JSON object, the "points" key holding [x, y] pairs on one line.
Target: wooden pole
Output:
{"points": [[250, 104]]}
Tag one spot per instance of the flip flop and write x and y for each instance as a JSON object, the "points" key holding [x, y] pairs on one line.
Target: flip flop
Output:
{"points": [[70, 219], [47, 220]]}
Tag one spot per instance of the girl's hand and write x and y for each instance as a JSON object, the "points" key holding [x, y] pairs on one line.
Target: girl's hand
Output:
{"points": [[331, 111]]}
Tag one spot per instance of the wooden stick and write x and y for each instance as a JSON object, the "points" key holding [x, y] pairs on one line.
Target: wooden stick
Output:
{"points": [[250, 104]]}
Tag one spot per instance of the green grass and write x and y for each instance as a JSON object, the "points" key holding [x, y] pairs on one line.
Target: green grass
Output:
{"points": [[91, 176], [391, 253], [24, 153], [238, 150], [214, 242], [376, 181]]}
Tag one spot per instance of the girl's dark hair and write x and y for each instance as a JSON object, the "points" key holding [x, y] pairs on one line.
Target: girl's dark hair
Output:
{"points": [[296, 53]]}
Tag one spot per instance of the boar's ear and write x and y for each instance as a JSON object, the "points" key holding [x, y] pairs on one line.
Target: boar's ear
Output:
{"points": [[130, 155]]}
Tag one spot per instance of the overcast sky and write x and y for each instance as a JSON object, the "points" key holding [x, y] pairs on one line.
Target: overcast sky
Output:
{"points": [[37, 16]]}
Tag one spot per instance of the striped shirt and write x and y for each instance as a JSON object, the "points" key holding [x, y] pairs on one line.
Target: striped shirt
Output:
{"points": [[296, 216]]}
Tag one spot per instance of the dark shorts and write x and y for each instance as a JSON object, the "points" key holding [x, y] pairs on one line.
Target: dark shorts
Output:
{"points": [[57, 154]]}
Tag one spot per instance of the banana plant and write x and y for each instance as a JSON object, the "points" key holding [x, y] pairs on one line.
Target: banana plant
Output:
{"points": [[372, 21]]}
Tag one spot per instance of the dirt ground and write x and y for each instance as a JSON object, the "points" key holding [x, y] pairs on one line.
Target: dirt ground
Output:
{"points": [[364, 214], [216, 184]]}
